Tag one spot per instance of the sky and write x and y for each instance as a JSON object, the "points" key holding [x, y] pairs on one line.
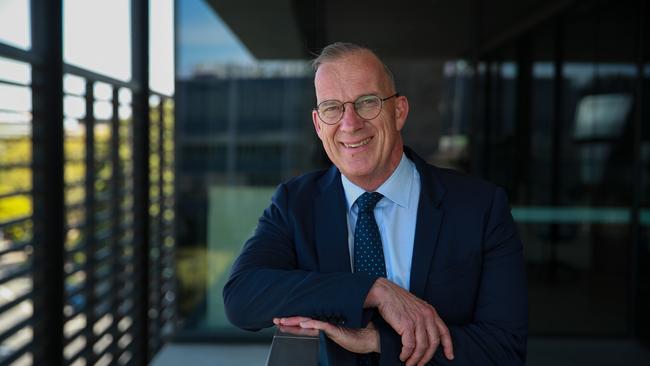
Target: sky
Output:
{"points": [[203, 38], [97, 37]]}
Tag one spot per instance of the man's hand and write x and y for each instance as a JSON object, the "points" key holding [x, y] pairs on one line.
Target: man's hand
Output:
{"points": [[417, 322], [364, 340]]}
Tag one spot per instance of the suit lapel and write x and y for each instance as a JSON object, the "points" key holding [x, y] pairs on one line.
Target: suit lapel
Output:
{"points": [[331, 227], [426, 240], [427, 228]]}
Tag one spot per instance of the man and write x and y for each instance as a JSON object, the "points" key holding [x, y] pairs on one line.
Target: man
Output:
{"points": [[394, 260]]}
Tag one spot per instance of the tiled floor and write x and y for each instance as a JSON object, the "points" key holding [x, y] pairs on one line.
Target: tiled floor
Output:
{"points": [[211, 355], [557, 352]]}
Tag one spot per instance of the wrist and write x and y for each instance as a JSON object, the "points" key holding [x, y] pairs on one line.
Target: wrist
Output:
{"points": [[374, 295], [377, 342]]}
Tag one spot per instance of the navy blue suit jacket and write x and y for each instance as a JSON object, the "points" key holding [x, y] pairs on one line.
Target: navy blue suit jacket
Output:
{"points": [[467, 263]]}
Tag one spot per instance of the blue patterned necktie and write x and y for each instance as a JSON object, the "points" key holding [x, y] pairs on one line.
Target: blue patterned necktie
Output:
{"points": [[368, 252]]}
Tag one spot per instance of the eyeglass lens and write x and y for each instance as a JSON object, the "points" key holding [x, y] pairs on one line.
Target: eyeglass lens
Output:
{"points": [[366, 107]]}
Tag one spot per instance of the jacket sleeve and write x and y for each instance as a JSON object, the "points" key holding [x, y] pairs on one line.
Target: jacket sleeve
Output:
{"points": [[266, 280], [497, 335]]}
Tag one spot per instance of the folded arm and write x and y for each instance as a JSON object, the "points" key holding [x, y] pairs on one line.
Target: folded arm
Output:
{"points": [[265, 283]]}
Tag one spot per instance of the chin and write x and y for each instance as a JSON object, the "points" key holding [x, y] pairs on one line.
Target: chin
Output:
{"points": [[352, 170]]}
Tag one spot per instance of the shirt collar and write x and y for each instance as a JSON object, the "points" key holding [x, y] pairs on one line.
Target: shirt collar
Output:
{"points": [[396, 188]]}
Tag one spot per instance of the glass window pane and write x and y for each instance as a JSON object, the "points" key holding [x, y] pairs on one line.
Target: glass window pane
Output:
{"points": [[574, 212], [243, 126]]}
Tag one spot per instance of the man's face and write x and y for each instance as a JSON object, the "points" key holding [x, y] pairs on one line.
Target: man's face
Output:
{"points": [[365, 151]]}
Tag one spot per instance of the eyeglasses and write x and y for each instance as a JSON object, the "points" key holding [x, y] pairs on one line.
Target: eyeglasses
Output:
{"points": [[366, 106]]}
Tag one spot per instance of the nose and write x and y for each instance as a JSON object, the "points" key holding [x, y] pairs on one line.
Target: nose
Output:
{"points": [[350, 122]]}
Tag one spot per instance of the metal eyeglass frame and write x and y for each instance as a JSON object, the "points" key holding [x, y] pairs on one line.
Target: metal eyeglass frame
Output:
{"points": [[382, 100]]}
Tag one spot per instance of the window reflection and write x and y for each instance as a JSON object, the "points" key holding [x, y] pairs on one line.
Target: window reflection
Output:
{"points": [[243, 134], [551, 117]]}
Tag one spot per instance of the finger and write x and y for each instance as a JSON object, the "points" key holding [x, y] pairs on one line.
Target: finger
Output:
{"points": [[421, 345], [354, 340], [330, 330], [434, 340], [298, 331], [408, 345], [445, 338], [314, 324], [293, 321]]}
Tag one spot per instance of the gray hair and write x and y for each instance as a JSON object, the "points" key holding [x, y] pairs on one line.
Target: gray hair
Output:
{"points": [[337, 50]]}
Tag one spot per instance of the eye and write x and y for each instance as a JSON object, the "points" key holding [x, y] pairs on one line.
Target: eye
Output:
{"points": [[367, 101], [330, 107]]}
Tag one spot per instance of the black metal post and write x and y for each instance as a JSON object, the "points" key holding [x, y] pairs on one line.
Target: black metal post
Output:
{"points": [[90, 240], [477, 127], [48, 180], [638, 319], [497, 116], [116, 229], [487, 118], [155, 229], [140, 54], [523, 120], [556, 144], [160, 237]]}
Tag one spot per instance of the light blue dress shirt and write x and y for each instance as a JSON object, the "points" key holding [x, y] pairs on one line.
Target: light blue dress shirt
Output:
{"points": [[396, 216]]}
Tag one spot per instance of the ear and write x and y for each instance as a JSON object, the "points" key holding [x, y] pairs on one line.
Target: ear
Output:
{"points": [[316, 121], [401, 111]]}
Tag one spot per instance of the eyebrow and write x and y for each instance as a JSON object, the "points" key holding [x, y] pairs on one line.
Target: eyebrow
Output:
{"points": [[357, 97]]}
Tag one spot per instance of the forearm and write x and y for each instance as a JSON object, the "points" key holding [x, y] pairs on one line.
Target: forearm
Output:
{"points": [[253, 297], [277, 275], [474, 344], [486, 344]]}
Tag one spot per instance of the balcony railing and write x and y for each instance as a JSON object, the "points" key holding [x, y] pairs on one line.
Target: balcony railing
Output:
{"points": [[116, 272]]}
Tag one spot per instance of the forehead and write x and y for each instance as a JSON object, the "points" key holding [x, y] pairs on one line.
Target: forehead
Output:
{"points": [[349, 77]]}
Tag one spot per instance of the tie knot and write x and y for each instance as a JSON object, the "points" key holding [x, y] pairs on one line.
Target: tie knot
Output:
{"points": [[367, 201]]}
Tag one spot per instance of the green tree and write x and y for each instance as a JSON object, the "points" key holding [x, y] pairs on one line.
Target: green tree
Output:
{"points": [[15, 177]]}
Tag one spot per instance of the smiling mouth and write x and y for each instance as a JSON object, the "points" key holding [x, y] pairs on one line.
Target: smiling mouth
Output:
{"points": [[358, 144]]}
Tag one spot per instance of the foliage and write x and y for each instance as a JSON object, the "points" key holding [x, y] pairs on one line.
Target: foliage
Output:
{"points": [[15, 177]]}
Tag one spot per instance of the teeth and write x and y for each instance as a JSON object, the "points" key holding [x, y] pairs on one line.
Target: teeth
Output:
{"points": [[364, 142]]}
